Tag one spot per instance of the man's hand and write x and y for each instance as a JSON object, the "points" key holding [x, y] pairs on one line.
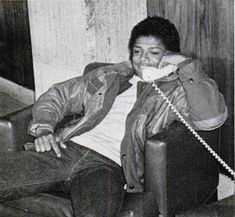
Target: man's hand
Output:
{"points": [[172, 58], [47, 143]]}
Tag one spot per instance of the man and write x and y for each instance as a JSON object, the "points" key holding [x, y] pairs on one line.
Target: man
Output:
{"points": [[112, 123]]}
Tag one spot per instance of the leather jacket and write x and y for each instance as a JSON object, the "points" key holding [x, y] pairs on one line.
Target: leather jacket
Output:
{"points": [[89, 98]]}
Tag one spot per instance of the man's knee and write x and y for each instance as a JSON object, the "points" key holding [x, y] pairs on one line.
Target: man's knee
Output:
{"points": [[97, 192]]}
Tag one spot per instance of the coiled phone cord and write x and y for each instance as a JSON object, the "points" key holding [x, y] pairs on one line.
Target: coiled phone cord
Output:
{"points": [[197, 136]]}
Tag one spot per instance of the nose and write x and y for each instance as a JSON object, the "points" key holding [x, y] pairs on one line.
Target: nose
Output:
{"points": [[145, 57]]}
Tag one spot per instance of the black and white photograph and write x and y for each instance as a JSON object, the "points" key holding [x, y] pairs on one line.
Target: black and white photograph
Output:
{"points": [[117, 108]]}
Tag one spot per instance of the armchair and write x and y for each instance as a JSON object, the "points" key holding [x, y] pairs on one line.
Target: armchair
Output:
{"points": [[179, 173]]}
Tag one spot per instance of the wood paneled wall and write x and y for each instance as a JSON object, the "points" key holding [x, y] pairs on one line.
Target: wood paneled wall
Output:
{"points": [[68, 34], [206, 30]]}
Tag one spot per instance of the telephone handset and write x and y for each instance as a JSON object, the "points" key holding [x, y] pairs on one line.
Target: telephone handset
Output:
{"points": [[150, 74]]}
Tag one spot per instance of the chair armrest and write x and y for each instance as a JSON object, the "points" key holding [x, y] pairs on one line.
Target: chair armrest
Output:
{"points": [[13, 130], [178, 169]]}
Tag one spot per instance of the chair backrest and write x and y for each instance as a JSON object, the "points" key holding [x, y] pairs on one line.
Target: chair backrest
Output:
{"points": [[94, 65]]}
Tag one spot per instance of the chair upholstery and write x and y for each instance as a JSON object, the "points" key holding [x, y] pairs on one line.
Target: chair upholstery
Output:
{"points": [[179, 173], [223, 208]]}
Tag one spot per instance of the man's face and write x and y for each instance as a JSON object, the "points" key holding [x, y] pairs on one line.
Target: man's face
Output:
{"points": [[147, 51]]}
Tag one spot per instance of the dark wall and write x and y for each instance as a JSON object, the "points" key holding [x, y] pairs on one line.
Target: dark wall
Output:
{"points": [[15, 46], [206, 30]]}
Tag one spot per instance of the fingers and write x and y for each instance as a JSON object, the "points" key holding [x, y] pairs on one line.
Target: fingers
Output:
{"points": [[163, 65], [36, 145], [56, 149], [39, 146], [169, 69], [62, 145], [47, 140], [173, 58], [46, 143]]}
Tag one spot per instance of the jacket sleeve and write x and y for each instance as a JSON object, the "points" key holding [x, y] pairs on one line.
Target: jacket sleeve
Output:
{"points": [[90, 95], [61, 99], [205, 104]]}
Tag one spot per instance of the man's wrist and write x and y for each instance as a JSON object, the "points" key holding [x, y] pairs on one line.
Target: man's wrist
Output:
{"points": [[41, 131], [184, 63]]}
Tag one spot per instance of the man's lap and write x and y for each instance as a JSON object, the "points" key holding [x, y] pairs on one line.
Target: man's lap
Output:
{"points": [[26, 173]]}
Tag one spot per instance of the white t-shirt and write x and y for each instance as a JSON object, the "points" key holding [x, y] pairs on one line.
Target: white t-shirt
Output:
{"points": [[107, 136]]}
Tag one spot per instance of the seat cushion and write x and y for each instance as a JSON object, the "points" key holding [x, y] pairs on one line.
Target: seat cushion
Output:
{"points": [[139, 205], [42, 204], [48, 205]]}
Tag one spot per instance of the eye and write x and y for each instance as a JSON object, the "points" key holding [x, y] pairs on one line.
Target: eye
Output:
{"points": [[135, 51], [155, 52]]}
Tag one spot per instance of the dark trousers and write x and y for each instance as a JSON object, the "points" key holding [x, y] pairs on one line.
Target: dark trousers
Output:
{"points": [[94, 182]]}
